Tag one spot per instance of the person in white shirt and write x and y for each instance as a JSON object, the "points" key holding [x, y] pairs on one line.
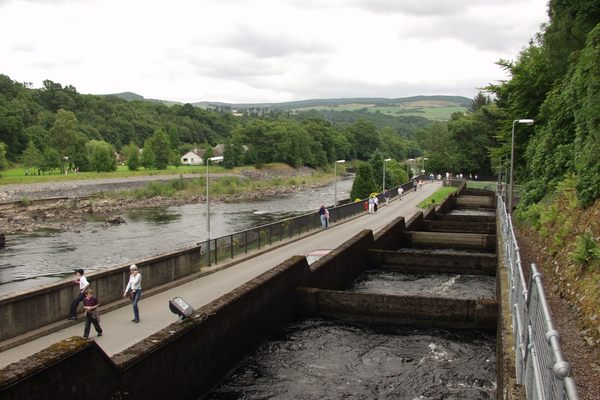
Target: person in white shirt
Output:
{"points": [[135, 286], [83, 285]]}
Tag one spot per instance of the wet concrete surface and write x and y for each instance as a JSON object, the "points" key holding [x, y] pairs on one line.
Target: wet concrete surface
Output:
{"points": [[319, 359], [428, 285]]}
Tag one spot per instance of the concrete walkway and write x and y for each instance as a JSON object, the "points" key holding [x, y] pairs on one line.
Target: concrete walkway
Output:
{"points": [[120, 333]]}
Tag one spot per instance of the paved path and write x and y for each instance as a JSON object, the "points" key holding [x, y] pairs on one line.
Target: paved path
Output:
{"points": [[120, 333]]}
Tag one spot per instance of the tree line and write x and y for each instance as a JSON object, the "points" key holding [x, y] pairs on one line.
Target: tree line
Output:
{"points": [[55, 127]]}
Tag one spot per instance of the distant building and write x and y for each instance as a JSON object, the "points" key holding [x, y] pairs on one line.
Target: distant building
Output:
{"points": [[191, 158]]}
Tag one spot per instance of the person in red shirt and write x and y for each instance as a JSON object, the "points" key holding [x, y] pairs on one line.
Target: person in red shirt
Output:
{"points": [[90, 303]]}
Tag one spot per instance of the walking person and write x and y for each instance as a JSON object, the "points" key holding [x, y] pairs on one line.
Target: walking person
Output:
{"points": [[400, 191], [83, 283], [376, 203], [386, 195], [415, 185], [371, 204], [326, 218], [134, 288], [91, 304], [322, 211]]}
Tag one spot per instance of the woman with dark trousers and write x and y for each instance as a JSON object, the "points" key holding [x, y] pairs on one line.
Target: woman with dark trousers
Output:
{"points": [[135, 286]]}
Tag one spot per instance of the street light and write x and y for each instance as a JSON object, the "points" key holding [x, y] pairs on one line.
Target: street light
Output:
{"points": [[512, 159], [214, 159], [335, 180], [383, 184], [423, 170]]}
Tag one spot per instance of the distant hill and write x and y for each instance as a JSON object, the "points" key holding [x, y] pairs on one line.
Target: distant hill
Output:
{"points": [[458, 101], [127, 96], [130, 96]]}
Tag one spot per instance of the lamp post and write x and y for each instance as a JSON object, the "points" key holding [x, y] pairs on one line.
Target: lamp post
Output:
{"points": [[512, 159], [383, 184], [335, 180], [423, 170], [214, 159]]}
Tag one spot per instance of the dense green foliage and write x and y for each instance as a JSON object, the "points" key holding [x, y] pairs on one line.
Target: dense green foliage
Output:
{"points": [[556, 81], [50, 128], [363, 184]]}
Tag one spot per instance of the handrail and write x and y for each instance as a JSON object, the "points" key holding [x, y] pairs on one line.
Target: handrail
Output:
{"points": [[539, 363]]}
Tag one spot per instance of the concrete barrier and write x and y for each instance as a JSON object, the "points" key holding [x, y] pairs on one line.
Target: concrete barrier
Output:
{"points": [[181, 361], [461, 241], [426, 261], [31, 309], [475, 201], [73, 368], [339, 268], [433, 225], [429, 312]]}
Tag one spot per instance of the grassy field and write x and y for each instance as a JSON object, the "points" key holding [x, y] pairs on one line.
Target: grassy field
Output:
{"points": [[437, 197], [17, 175], [437, 111]]}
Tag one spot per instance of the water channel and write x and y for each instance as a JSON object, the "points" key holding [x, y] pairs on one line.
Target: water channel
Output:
{"points": [[320, 359], [32, 259]]}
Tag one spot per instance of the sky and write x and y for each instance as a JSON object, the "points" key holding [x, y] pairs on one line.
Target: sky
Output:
{"points": [[265, 50]]}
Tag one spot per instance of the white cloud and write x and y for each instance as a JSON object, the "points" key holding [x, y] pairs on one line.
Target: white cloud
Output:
{"points": [[265, 50]]}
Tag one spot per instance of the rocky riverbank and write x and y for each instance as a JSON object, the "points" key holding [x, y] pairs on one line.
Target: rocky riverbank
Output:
{"points": [[70, 213]]}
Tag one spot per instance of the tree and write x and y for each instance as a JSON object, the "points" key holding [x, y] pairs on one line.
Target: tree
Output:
{"points": [[31, 157], [63, 134], [364, 138], [159, 142], [132, 156], [102, 156], [51, 161], [364, 184], [2, 156], [148, 158]]}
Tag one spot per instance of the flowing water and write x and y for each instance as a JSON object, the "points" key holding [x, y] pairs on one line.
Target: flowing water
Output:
{"points": [[32, 259], [428, 285], [317, 359]]}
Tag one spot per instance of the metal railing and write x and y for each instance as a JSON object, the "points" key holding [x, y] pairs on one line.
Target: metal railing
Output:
{"points": [[229, 246], [540, 365]]}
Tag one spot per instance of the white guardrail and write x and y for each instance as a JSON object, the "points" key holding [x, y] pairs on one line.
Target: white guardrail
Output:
{"points": [[540, 365]]}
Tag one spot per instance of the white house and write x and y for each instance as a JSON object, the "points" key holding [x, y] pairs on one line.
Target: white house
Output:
{"points": [[191, 158]]}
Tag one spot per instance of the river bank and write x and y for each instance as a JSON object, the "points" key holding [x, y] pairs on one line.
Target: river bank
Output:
{"points": [[99, 204]]}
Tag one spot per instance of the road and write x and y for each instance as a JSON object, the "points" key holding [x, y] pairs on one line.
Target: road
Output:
{"points": [[120, 333]]}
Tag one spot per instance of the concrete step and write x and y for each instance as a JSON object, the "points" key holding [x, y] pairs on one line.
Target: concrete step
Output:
{"points": [[430, 261]]}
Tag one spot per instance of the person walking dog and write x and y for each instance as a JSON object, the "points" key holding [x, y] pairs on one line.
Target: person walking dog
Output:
{"points": [[134, 288]]}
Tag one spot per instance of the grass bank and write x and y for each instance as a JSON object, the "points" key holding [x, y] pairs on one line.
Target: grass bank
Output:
{"points": [[270, 179], [436, 198], [566, 239]]}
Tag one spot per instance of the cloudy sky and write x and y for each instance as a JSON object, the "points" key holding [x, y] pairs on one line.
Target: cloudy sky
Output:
{"points": [[265, 50]]}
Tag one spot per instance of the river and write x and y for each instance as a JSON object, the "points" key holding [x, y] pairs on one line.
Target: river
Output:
{"points": [[32, 259]]}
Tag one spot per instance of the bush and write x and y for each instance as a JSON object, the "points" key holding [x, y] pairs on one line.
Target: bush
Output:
{"points": [[587, 251]]}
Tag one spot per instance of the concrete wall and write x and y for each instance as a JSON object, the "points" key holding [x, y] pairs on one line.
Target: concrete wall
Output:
{"points": [[401, 310], [31, 309], [475, 201], [339, 268], [73, 368], [459, 226], [433, 262], [178, 362], [456, 240]]}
